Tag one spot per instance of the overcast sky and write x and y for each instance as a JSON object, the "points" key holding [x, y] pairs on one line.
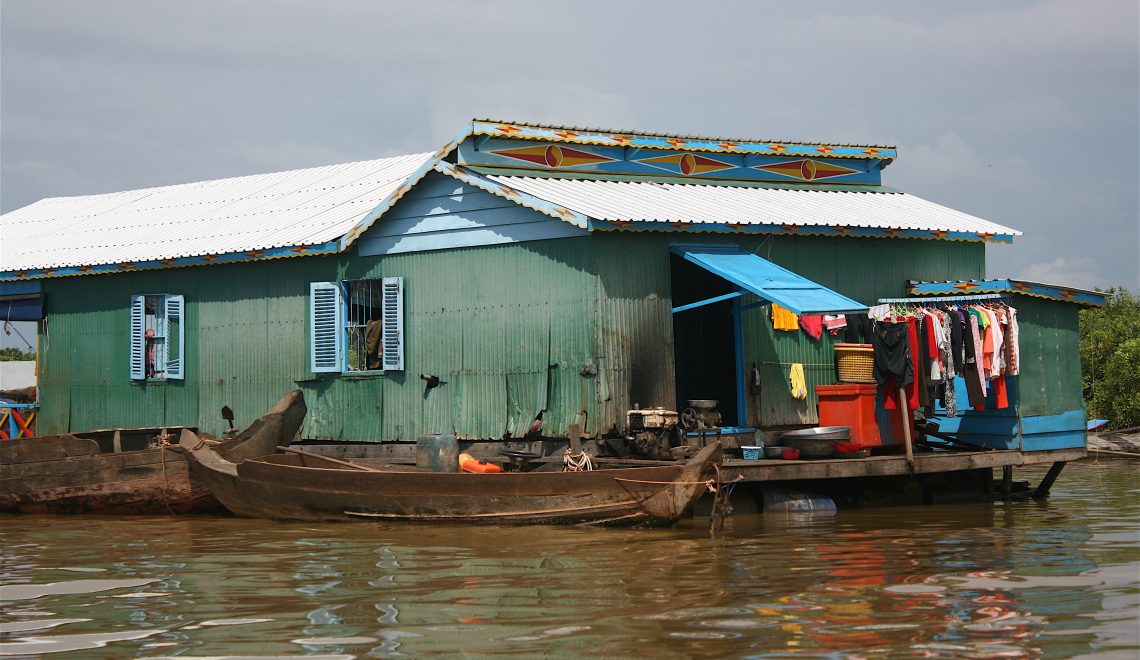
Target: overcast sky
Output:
{"points": [[1023, 113]]}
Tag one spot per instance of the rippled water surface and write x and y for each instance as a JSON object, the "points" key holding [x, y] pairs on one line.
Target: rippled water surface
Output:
{"points": [[1059, 578]]}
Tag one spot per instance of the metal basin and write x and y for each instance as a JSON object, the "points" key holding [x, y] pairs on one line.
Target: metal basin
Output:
{"points": [[818, 442]]}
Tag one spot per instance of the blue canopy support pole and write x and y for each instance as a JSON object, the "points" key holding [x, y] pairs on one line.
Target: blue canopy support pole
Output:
{"points": [[709, 301], [738, 340]]}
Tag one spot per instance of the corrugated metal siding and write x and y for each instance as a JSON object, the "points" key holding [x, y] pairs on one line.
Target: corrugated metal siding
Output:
{"points": [[579, 327], [650, 201], [300, 207], [1050, 378]]}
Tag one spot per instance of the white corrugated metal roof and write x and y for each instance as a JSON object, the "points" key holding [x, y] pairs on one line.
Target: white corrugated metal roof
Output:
{"points": [[648, 201], [284, 209]]}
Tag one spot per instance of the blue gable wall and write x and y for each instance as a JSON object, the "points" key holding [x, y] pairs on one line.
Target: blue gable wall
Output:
{"points": [[442, 212]]}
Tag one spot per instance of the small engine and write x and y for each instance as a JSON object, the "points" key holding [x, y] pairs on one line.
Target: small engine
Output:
{"points": [[650, 433]]}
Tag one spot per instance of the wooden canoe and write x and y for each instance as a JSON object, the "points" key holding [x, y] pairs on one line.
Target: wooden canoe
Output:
{"points": [[300, 486], [127, 471]]}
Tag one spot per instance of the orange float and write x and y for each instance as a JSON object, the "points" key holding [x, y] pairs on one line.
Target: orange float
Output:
{"points": [[468, 463]]}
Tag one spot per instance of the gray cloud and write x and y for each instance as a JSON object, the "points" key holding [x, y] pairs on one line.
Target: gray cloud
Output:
{"points": [[1025, 113]]}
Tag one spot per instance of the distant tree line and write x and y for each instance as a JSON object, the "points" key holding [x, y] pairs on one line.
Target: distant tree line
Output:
{"points": [[15, 355], [1110, 359]]}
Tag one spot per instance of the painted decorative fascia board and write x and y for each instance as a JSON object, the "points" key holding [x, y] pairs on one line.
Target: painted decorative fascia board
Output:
{"points": [[1021, 287], [648, 141], [800, 230], [372, 216], [202, 260], [530, 201]]}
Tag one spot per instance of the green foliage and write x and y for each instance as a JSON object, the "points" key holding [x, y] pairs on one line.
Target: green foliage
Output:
{"points": [[15, 355], [1110, 359]]}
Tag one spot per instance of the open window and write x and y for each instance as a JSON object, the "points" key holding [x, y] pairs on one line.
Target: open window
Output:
{"points": [[157, 337], [357, 325]]}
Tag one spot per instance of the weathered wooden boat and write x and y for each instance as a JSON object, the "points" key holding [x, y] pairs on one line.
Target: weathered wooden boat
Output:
{"points": [[128, 471], [305, 486]]}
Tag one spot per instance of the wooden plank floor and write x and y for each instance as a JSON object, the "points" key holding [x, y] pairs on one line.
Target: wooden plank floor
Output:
{"points": [[879, 466]]}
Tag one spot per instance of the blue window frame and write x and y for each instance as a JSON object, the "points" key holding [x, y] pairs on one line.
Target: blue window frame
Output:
{"points": [[356, 325]]}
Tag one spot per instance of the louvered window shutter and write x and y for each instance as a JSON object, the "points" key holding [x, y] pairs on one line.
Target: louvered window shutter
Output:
{"points": [[393, 340], [175, 333], [138, 340], [326, 332]]}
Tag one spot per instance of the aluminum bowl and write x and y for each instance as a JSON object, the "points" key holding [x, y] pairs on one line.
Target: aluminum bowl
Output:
{"points": [[817, 442], [840, 433]]}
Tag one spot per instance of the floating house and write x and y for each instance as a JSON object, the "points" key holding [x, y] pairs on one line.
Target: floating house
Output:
{"points": [[521, 278]]}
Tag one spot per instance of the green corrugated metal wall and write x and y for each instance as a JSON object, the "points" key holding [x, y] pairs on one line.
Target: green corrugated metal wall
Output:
{"points": [[579, 327], [1049, 382]]}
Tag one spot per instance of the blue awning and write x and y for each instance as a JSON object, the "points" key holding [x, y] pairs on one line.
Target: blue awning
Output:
{"points": [[767, 280], [21, 308]]}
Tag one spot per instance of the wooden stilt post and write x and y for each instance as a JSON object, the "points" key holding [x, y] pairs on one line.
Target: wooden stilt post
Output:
{"points": [[574, 432], [1043, 489], [1006, 483], [906, 429]]}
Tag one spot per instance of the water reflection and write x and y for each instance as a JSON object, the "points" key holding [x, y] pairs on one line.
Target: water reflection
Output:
{"points": [[1053, 579]]}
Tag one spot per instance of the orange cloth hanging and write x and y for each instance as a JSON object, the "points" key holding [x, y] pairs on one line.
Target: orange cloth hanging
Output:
{"points": [[783, 319]]}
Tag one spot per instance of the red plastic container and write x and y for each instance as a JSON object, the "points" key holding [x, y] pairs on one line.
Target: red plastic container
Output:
{"points": [[790, 454], [851, 404]]}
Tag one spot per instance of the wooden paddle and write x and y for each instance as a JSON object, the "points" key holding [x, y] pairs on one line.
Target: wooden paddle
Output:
{"points": [[330, 459]]}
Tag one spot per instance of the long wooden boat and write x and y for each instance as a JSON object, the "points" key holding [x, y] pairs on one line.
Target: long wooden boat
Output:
{"points": [[127, 471], [303, 486]]}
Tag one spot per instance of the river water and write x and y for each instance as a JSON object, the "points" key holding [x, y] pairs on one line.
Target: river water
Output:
{"points": [[1059, 578]]}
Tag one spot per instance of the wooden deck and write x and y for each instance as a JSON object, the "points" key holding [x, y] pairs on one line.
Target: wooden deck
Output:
{"points": [[881, 466]]}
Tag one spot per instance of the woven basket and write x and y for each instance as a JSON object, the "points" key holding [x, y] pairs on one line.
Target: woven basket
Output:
{"points": [[856, 363]]}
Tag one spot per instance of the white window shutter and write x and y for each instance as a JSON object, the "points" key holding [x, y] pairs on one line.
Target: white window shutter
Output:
{"points": [[175, 333], [138, 341], [393, 339], [326, 331]]}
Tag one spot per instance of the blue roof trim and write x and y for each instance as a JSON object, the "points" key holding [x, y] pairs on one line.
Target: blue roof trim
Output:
{"points": [[1021, 287], [797, 230], [768, 280], [201, 260]]}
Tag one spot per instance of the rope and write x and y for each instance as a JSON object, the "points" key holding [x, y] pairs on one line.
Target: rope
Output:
{"points": [[711, 483], [203, 441], [162, 440], [580, 462]]}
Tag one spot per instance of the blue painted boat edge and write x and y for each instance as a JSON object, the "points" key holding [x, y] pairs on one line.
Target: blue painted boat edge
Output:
{"points": [[1001, 429]]}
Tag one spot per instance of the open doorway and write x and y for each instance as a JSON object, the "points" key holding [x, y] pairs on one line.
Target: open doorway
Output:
{"points": [[704, 344]]}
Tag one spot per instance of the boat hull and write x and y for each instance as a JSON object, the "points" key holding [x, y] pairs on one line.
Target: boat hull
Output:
{"points": [[297, 487], [67, 474], [120, 472]]}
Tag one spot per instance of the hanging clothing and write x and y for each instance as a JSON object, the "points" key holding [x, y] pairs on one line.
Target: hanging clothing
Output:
{"points": [[812, 325], [1012, 348], [834, 323], [957, 347], [977, 379], [946, 345], [784, 319], [921, 352], [894, 365], [858, 330], [1001, 393], [797, 381]]}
